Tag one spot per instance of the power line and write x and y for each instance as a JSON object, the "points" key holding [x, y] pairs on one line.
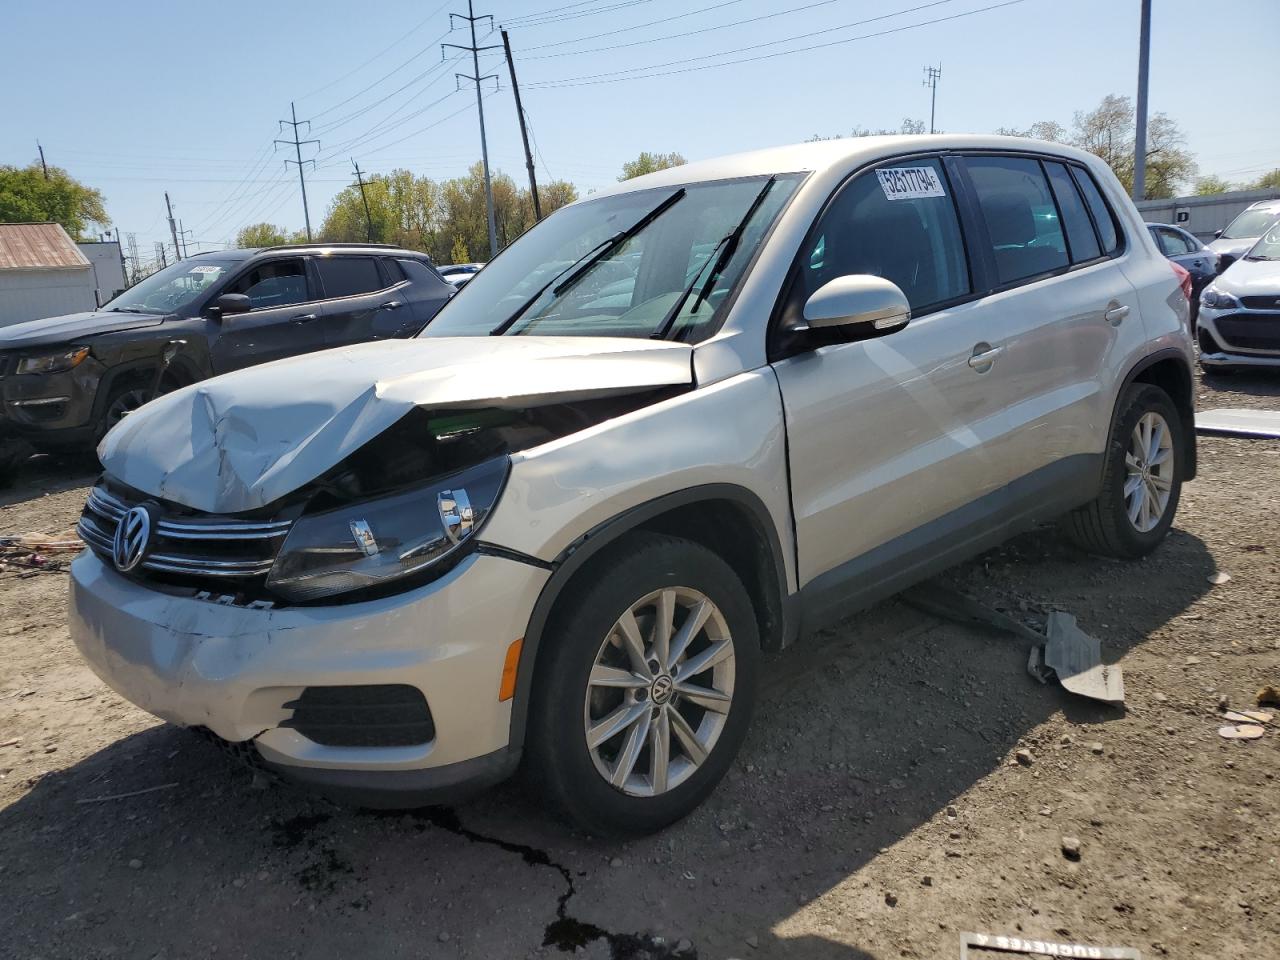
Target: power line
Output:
{"points": [[474, 49], [612, 77], [385, 76], [297, 146], [638, 26], [528, 21]]}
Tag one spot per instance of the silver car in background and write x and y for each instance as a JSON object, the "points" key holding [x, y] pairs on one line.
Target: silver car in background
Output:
{"points": [[1239, 322], [684, 421], [1243, 232]]}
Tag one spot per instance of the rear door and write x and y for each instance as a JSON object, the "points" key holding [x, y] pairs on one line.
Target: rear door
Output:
{"points": [[1069, 314], [890, 440], [361, 302], [284, 320], [423, 290]]}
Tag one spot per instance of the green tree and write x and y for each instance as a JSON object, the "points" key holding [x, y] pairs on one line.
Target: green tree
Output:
{"points": [[650, 162], [263, 235], [1268, 181], [1209, 185], [27, 197], [1107, 131], [459, 252]]}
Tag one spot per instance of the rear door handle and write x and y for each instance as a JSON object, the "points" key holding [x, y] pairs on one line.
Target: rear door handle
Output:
{"points": [[984, 355], [306, 318], [1116, 313], [392, 305]]}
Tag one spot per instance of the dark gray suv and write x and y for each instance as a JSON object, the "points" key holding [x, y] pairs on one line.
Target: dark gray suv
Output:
{"points": [[65, 381]]}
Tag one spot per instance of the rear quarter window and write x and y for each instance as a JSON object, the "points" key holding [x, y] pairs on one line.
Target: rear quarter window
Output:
{"points": [[1103, 218]]}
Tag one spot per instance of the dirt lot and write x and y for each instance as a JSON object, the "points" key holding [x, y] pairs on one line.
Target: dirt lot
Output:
{"points": [[877, 809]]}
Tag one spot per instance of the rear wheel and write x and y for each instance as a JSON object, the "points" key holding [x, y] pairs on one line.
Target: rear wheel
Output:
{"points": [[1141, 481], [645, 692]]}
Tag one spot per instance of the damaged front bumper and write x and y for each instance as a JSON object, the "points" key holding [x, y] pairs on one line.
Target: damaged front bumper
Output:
{"points": [[238, 671]]}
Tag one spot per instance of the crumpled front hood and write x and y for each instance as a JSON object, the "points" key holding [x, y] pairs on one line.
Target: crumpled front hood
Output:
{"points": [[243, 440], [72, 328], [1246, 278]]}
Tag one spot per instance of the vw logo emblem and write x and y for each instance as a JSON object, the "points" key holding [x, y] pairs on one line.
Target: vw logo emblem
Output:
{"points": [[132, 536], [662, 686]]}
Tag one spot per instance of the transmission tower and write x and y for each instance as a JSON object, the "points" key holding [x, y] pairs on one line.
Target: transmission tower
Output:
{"points": [[297, 147], [471, 19]]}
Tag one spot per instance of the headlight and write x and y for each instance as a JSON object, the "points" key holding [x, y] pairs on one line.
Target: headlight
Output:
{"points": [[1217, 300], [370, 543], [53, 362]]}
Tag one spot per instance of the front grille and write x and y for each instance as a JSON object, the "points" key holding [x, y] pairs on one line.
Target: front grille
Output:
{"points": [[189, 547], [1250, 331], [375, 715], [1269, 302]]}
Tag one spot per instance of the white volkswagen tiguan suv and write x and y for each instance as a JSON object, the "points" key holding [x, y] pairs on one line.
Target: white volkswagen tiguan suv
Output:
{"points": [[676, 424]]}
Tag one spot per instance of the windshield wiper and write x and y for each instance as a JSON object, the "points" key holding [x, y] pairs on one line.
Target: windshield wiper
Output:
{"points": [[126, 310], [589, 260], [727, 245]]}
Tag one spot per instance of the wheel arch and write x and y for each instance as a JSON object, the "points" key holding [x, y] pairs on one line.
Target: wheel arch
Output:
{"points": [[1169, 370], [728, 519]]}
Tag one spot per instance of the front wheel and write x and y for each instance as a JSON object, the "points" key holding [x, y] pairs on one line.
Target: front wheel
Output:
{"points": [[646, 688], [1141, 480]]}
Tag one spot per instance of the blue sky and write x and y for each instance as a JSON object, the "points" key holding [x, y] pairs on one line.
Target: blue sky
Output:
{"points": [[141, 96]]}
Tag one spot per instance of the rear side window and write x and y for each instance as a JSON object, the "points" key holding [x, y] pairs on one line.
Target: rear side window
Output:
{"points": [[1103, 218], [348, 276], [898, 222], [1021, 216], [419, 272], [1175, 243], [1082, 242]]}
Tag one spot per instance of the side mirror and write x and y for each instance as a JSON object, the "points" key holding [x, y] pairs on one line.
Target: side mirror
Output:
{"points": [[870, 304], [230, 303], [1217, 234]]}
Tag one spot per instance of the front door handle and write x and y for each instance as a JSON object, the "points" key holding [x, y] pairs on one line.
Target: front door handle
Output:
{"points": [[1115, 313], [984, 355], [306, 318], [392, 305]]}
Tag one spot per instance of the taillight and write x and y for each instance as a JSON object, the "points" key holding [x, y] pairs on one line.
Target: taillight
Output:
{"points": [[1184, 279]]}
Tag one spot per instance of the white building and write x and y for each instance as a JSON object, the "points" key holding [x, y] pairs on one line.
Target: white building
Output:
{"points": [[108, 267], [42, 273]]}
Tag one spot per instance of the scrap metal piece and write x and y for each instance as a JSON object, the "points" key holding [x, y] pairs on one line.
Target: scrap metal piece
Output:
{"points": [[1036, 667], [1041, 948], [1239, 422], [1076, 658]]}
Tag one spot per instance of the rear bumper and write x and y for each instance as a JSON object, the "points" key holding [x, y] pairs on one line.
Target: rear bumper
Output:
{"points": [[232, 669]]}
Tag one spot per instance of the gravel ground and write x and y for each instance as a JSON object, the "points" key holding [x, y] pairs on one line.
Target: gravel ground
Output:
{"points": [[877, 810]]}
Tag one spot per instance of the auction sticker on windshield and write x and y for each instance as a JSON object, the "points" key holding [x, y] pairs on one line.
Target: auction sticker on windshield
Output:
{"points": [[910, 183]]}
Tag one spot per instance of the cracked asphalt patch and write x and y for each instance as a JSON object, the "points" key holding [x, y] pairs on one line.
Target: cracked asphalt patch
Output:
{"points": [[877, 808]]}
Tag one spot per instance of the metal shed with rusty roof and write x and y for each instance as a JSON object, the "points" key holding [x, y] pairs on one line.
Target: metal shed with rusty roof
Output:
{"points": [[42, 273]]}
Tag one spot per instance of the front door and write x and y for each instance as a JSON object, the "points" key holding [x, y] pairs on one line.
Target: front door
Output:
{"points": [[284, 319], [890, 439]]}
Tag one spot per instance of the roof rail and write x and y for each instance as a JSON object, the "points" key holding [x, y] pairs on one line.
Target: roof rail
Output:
{"points": [[323, 243]]}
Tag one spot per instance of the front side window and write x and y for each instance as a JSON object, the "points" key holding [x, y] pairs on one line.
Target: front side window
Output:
{"points": [[636, 264], [173, 288], [898, 222], [348, 276], [1021, 216], [1174, 243], [1081, 239], [277, 283]]}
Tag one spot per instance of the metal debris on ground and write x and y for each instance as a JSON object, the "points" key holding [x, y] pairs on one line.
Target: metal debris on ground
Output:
{"points": [[27, 555], [974, 945], [1064, 651], [1240, 422], [1244, 724], [1076, 658]]}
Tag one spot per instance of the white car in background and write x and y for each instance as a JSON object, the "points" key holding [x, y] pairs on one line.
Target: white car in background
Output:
{"points": [[459, 273], [1243, 232], [676, 424], [1239, 323]]}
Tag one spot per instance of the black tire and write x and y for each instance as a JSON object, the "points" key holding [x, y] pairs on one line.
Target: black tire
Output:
{"points": [[1103, 525], [122, 400], [557, 759]]}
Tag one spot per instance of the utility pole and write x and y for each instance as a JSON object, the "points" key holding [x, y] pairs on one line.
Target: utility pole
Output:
{"points": [[368, 219], [931, 77], [471, 19], [43, 166], [297, 146], [160, 255], [524, 134], [183, 234], [173, 227], [1140, 137]]}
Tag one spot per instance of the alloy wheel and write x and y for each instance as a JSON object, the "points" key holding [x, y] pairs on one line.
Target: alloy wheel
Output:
{"points": [[659, 692], [125, 404], [1149, 464]]}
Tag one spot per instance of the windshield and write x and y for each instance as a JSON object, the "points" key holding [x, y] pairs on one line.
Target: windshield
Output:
{"points": [[172, 288], [1251, 223], [1268, 247], [663, 255]]}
